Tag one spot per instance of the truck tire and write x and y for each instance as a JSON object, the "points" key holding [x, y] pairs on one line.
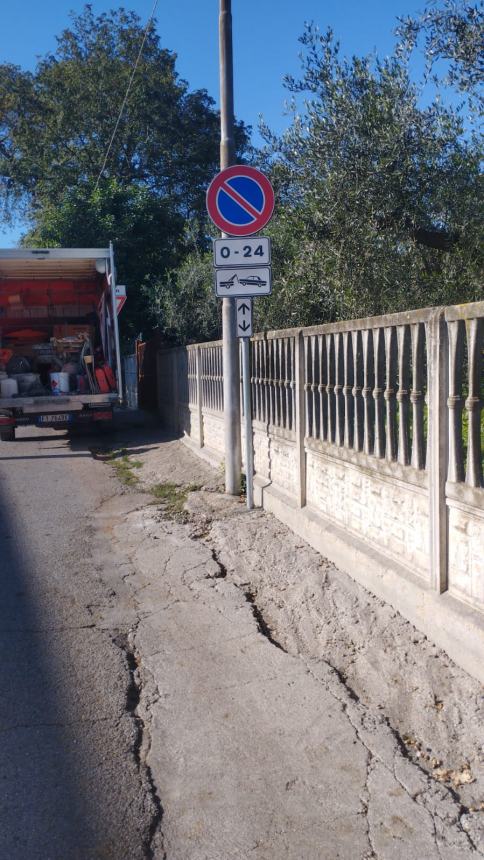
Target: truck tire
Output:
{"points": [[8, 434]]}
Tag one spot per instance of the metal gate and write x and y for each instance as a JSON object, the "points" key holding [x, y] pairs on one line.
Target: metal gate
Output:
{"points": [[131, 380]]}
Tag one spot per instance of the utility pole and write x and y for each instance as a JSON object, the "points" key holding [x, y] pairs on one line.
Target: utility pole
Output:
{"points": [[230, 349]]}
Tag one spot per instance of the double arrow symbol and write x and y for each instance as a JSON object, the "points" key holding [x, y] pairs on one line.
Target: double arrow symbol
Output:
{"points": [[245, 308], [244, 318]]}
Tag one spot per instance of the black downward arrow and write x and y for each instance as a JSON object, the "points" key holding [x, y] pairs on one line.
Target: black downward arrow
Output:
{"points": [[244, 326], [244, 308]]}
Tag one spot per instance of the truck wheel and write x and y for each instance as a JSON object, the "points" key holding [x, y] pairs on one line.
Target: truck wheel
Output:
{"points": [[8, 435]]}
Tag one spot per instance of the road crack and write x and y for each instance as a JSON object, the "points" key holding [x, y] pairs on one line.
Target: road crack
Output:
{"points": [[153, 842], [262, 624]]}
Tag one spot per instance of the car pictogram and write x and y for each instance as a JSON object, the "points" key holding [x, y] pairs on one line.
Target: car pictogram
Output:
{"points": [[252, 281]]}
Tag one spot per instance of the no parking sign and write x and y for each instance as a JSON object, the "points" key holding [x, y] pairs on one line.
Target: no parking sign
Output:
{"points": [[240, 200]]}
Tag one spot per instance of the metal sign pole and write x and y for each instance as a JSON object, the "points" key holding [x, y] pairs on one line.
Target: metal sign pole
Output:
{"points": [[249, 454], [230, 348], [115, 321]]}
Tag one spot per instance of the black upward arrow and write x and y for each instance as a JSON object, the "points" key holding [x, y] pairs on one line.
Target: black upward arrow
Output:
{"points": [[244, 326], [244, 308]]}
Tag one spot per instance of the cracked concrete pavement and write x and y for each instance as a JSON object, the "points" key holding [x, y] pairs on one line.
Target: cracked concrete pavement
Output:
{"points": [[71, 788], [205, 686], [259, 744]]}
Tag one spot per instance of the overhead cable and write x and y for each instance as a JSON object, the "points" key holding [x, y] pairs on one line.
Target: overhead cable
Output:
{"points": [[128, 89]]}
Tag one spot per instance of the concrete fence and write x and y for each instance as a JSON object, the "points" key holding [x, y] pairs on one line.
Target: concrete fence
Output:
{"points": [[368, 441]]}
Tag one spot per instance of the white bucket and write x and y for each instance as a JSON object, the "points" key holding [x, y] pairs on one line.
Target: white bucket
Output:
{"points": [[59, 383], [25, 381], [8, 387]]}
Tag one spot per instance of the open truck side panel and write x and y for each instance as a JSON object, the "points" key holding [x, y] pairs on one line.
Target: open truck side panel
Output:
{"points": [[58, 313]]}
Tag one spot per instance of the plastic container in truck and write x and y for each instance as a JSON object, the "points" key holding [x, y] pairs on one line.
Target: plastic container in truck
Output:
{"points": [[59, 335]]}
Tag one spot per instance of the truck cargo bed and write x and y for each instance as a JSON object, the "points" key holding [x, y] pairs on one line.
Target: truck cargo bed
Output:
{"points": [[57, 404]]}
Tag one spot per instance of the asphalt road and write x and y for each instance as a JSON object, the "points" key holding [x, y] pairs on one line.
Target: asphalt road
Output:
{"points": [[70, 784]]}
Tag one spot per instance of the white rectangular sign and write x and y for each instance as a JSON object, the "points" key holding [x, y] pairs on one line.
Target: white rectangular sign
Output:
{"points": [[254, 251], [244, 318], [120, 292], [243, 282]]}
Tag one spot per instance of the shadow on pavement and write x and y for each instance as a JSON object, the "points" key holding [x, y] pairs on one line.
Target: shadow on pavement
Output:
{"points": [[41, 801]]}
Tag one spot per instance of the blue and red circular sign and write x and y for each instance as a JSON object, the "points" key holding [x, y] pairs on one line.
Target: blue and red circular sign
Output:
{"points": [[240, 200]]}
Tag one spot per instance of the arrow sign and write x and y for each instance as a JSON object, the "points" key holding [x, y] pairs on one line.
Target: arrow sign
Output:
{"points": [[244, 318]]}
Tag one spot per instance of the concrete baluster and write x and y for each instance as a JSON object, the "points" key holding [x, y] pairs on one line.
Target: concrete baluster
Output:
{"points": [[417, 396], [389, 393], [367, 392], [338, 388], [357, 389], [454, 402], [307, 386], [323, 424], [473, 404], [347, 390], [403, 346], [379, 407]]}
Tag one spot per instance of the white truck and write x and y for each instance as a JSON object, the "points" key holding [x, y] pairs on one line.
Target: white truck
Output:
{"points": [[60, 362]]}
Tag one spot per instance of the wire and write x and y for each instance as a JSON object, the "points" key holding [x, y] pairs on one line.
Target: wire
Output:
{"points": [[128, 89]]}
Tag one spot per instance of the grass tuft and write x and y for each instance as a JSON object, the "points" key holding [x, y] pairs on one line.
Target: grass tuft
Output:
{"points": [[172, 496], [123, 466]]}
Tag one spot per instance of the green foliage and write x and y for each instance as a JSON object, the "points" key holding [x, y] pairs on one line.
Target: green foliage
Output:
{"points": [[146, 230], [56, 124], [454, 33], [55, 127], [184, 303], [378, 197], [378, 189]]}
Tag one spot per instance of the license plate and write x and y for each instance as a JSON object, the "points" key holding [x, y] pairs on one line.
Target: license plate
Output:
{"points": [[58, 418]]}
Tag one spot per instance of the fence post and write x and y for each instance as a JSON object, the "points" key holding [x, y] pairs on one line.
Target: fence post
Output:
{"points": [[299, 381], [174, 378], [438, 430], [199, 397]]}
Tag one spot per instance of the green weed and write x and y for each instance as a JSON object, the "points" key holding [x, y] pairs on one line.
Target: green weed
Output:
{"points": [[172, 496], [123, 467]]}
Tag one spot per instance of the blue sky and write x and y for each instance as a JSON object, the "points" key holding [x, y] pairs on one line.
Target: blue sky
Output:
{"points": [[265, 42]]}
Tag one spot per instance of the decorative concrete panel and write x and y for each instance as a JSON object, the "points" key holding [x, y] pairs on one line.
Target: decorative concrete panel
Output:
{"points": [[466, 553], [283, 464], [386, 513], [213, 431], [261, 450]]}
